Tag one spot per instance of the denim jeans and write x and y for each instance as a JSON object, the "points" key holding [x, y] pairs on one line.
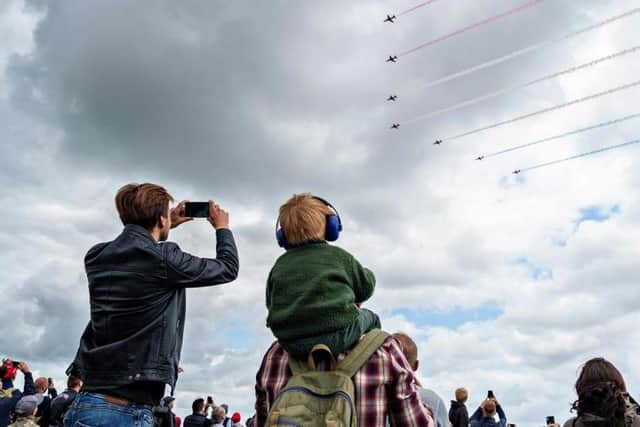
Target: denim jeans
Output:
{"points": [[93, 410]]}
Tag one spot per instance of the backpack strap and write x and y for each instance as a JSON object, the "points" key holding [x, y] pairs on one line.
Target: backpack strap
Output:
{"points": [[368, 345]]}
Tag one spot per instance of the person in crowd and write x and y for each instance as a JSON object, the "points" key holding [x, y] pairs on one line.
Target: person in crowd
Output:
{"points": [[236, 418], [44, 385], [227, 420], [485, 415], [428, 396], [311, 267], [198, 417], [9, 395], [218, 415], [602, 398], [131, 346], [60, 404], [25, 412], [251, 421], [169, 403], [458, 415]]}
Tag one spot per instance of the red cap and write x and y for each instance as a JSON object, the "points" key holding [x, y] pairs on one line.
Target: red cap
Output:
{"points": [[235, 417]]}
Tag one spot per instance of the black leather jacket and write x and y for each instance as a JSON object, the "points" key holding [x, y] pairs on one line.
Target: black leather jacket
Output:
{"points": [[137, 295]]}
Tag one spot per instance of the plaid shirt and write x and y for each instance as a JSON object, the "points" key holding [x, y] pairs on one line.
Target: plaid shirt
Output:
{"points": [[384, 386]]}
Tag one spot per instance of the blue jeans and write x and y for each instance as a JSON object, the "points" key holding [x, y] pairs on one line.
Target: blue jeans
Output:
{"points": [[93, 410]]}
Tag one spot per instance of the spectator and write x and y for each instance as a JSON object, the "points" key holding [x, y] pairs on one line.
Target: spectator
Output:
{"points": [[25, 412], [61, 403], [484, 416], [217, 416], [235, 418], [602, 397], [384, 388], [227, 421], [198, 417], [429, 397], [9, 396], [43, 385], [131, 347], [308, 268], [169, 403], [458, 415]]}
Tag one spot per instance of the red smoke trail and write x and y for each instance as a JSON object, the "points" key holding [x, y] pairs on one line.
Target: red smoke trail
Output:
{"points": [[426, 3], [473, 26]]}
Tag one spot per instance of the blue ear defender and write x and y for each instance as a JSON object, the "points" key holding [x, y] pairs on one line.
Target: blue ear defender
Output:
{"points": [[331, 232]]}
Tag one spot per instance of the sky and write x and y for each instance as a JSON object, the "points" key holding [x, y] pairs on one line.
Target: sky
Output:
{"points": [[506, 282]]}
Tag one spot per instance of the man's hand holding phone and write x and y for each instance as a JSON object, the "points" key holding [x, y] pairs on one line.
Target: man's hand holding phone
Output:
{"points": [[218, 217], [179, 215]]}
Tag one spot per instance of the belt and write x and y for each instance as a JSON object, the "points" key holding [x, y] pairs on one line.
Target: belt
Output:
{"points": [[116, 400]]}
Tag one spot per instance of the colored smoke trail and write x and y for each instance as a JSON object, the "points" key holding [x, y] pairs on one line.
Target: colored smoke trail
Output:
{"points": [[528, 49], [524, 85], [426, 3], [564, 135], [589, 153], [546, 110], [470, 27]]}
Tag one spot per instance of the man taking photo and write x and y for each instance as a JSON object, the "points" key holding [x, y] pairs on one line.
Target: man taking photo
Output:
{"points": [[131, 347]]}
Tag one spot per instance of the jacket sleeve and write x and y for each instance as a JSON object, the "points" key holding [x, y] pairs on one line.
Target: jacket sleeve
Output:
{"points": [[188, 271], [503, 417], [363, 281], [29, 386], [476, 417]]}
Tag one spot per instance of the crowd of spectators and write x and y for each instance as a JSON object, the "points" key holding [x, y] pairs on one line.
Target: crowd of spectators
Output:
{"points": [[330, 365]]}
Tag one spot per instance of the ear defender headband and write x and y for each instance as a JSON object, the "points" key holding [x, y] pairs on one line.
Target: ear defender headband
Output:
{"points": [[331, 232]]}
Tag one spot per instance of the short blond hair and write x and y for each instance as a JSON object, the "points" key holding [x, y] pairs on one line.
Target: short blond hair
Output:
{"points": [[462, 394], [303, 219]]}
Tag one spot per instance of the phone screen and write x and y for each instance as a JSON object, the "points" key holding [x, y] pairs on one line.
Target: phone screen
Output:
{"points": [[490, 394], [196, 209], [551, 420]]}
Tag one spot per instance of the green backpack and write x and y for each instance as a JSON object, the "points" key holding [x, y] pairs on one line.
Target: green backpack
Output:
{"points": [[314, 398]]}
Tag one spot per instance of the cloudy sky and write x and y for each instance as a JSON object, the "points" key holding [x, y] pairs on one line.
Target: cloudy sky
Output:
{"points": [[506, 282]]}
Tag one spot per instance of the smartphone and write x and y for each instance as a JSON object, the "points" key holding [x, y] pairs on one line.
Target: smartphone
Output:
{"points": [[196, 209], [490, 395], [50, 381], [551, 420], [210, 400], [15, 364]]}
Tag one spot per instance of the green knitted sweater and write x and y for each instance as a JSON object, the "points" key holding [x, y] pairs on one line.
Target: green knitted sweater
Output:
{"points": [[313, 290]]}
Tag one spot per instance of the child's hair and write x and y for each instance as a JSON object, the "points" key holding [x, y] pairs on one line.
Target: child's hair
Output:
{"points": [[303, 219], [462, 394]]}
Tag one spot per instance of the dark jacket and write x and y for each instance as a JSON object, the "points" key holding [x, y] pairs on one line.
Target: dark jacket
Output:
{"points": [[8, 404], [59, 406], [479, 420], [458, 415], [137, 295], [195, 420]]}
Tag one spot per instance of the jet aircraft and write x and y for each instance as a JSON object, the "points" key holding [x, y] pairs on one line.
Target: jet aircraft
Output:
{"points": [[517, 171], [392, 97], [480, 158], [395, 126], [438, 142], [392, 58], [390, 18]]}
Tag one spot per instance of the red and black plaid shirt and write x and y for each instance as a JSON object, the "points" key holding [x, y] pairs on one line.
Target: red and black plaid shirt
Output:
{"points": [[384, 387]]}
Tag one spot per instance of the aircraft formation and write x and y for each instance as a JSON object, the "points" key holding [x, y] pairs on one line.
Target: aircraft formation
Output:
{"points": [[391, 18]]}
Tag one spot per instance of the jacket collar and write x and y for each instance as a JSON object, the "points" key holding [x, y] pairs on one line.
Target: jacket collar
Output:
{"points": [[139, 230]]}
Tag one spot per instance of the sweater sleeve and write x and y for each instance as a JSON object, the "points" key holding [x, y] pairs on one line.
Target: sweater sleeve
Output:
{"points": [[363, 281]]}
